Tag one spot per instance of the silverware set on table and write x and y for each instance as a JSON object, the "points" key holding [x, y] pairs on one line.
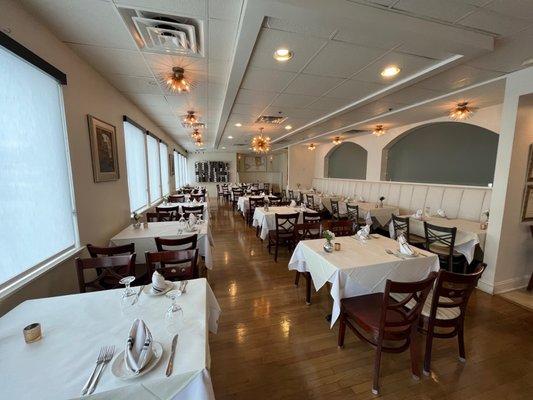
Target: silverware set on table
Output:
{"points": [[105, 355], [402, 257]]}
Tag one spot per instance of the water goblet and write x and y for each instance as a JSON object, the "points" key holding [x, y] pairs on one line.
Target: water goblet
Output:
{"points": [[129, 296], [174, 314]]}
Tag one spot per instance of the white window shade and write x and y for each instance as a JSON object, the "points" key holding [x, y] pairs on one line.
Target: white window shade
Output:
{"points": [[36, 200], [163, 152], [136, 165], [154, 172], [176, 170]]}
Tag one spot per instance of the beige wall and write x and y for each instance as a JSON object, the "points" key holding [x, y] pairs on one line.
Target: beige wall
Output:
{"points": [[103, 208], [301, 166], [276, 170]]}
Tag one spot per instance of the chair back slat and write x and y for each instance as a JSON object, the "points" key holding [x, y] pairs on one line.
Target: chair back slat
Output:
{"points": [[308, 230], [285, 223], [95, 251], [186, 243], [109, 271], [310, 199], [400, 225], [180, 198], [197, 210], [311, 217], [340, 228], [160, 216], [173, 264]]}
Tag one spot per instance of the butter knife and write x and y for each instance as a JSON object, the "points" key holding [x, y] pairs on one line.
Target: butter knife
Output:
{"points": [[170, 365]]}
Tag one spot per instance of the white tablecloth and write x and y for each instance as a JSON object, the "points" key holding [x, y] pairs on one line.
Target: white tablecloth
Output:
{"points": [[143, 238], [469, 233], [358, 268], [243, 202], [381, 216], [187, 204], [76, 326], [267, 219]]}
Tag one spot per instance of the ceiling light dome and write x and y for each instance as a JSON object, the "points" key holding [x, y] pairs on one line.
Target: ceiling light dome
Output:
{"points": [[196, 134], [283, 54], [379, 130], [390, 71], [176, 81], [261, 144], [461, 111], [189, 120], [337, 140], [311, 147]]}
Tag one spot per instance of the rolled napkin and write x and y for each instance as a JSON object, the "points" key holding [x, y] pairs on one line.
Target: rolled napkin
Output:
{"points": [[158, 282], [404, 246], [138, 347], [418, 214], [441, 213], [293, 203], [364, 232], [368, 219], [192, 219]]}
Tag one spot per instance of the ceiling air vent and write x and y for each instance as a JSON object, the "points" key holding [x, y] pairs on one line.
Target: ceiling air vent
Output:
{"points": [[270, 119], [165, 33]]}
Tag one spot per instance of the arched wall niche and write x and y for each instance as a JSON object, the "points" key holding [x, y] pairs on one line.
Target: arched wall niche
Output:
{"points": [[347, 160], [443, 152]]}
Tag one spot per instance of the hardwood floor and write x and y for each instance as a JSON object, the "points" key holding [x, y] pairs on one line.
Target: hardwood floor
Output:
{"points": [[270, 345]]}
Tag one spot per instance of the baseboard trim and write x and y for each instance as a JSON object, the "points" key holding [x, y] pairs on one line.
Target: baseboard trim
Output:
{"points": [[485, 287], [511, 284]]}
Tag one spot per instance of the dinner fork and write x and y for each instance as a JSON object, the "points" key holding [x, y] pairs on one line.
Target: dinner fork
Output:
{"points": [[108, 356], [392, 253], [99, 361]]}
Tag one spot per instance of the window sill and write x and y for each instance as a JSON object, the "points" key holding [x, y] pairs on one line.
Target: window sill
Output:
{"points": [[27, 277]]}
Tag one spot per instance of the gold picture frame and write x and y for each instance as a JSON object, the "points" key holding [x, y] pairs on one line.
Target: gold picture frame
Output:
{"points": [[104, 155], [530, 164], [527, 207]]}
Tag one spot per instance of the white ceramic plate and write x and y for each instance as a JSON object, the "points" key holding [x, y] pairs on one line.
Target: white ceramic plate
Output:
{"points": [[118, 368], [149, 292]]}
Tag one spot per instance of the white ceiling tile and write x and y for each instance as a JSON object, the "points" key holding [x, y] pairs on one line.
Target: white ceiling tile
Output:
{"points": [[353, 90], [180, 8], [293, 100], [266, 79], [514, 8], [321, 30], [312, 85], [327, 104], [448, 10], [341, 59], [74, 21], [247, 109], [133, 84], [493, 22], [222, 35], [113, 61], [165, 62], [150, 100], [269, 40], [225, 9], [411, 95], [378, 36], [261, 98], [457, 77], [293, 112]]}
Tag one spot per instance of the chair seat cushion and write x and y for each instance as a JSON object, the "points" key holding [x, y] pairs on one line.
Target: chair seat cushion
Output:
{"points": [[442, 313], [415, 239], [442, 250]]}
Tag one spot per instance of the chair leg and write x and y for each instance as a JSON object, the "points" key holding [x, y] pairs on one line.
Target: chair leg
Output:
{"points": [[276, 251], [297, 279], [377, 365], [342, 331], [461, 340], [308, 289], [415, 368], [429, 347]]}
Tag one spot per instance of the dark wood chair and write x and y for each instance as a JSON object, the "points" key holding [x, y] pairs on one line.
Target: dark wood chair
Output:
{"points": [[284, 234], [174, 210], [109, 271], [256, 192], [310, 200], [186, 243], [220, 192], [196, 210], [96, 251], [341, 227], [440, 240], [291, 194], [353, 214], [381, 321], [174, 265], [307, 231], [275, 201], [187, 190], [236, 193], [252, 205], [335, 210], [530, 284], [266, 188], [311, 217], [198, 197], [444, 311], [401, 226], [160, 217], [180, 198]]}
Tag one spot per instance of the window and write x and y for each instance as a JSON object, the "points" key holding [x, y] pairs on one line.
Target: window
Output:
{"points": [[154, 171], [136, 164], [177, 180], [180, 163], [163, 152], [37, 207]]}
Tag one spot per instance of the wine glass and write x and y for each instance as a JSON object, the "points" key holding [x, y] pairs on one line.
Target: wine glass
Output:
{"points": [[129, 296], [174, 314]]}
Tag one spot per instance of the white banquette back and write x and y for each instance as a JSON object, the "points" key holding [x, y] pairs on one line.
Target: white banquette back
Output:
{"points": [[465, 202]]}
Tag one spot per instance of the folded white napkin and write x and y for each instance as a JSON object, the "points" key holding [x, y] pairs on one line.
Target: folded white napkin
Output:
{"points": [[418, 214], [368, 219], [404, 246], [158, 282], [192, 218], [293, 203], [138, 347], [361, 199], [364, 232], [441, 213], [263, 194], [194, 200]]}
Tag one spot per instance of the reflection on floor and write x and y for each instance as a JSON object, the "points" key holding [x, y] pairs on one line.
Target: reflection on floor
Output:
{"points": [[270, 345], [521, 297]]}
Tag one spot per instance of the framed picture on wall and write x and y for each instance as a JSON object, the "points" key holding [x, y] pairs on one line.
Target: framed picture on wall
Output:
{"points": [[530, 164], [171, 164], [103, 139], [527, 210]]}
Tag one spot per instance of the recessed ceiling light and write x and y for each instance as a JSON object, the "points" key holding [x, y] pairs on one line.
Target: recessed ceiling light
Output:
{"points": [[288, 127], [390, 71], [282, 54], [230, 137], [238, 124]]}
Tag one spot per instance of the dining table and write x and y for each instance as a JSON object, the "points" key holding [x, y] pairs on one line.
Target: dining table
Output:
{"points": [[144, 236], [360, 266], [75, 327], [266, 219], [180, 206], [243, 202], [469, 235], [379, 214]]}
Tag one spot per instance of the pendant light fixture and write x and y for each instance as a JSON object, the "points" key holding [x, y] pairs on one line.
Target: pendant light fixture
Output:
{"points": [[378, 130], [261, 144], [311, 146], [189, 120], [337, 140], [176, 81], [461, 111]]}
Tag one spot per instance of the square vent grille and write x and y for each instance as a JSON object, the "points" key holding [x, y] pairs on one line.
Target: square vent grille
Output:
{"points": [[165, 33], [270, 119]]}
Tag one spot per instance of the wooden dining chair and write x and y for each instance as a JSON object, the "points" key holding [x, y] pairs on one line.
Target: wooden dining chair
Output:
{"points": [[335, 210], [381, 321], [174, 265], [266, 187], [160, 217], [444, 311], [284, 234], [291, 194], [198, 197], [97, 251], [196, 210], [180, 198], [310, 200], [440, 240], [185, 243], [311, 217], [353, 214], [236, 193], [341, 227], [252, 205], [109, 270], [275, 201], [187, 190], [174, 210], [307, 231], [401, 226]]}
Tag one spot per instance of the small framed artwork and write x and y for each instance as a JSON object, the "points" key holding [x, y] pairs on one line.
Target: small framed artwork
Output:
{"points": [[103, 138], [527, 210], [171, 164], [530, 164]]}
